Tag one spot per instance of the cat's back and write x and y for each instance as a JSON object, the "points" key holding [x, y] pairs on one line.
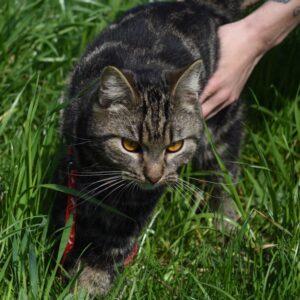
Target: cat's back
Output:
{"points": [[164, 36]]}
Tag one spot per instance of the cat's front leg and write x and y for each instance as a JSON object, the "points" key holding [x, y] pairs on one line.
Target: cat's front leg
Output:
{"points": [[218, 200], [95, 279]]}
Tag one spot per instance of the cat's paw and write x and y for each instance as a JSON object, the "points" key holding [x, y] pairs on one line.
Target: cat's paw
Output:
{"points": [[94, 280], [226, 223]]}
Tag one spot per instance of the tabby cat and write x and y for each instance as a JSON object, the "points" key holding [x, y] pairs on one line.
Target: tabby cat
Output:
{"points": [[134, 119]]}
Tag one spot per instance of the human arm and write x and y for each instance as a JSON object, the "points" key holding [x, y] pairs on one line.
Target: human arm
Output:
{"points": [[242, 44]]}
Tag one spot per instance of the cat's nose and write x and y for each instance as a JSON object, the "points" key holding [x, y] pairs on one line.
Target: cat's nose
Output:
{"points": [[153, 172], [153, 179]]}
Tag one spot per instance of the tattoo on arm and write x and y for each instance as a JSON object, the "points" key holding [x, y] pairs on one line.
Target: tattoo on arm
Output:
{"points": [[296, 11], [281, 1]]}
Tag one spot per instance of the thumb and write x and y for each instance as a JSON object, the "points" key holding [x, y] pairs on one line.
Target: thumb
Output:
{"points": [[209, 90]]}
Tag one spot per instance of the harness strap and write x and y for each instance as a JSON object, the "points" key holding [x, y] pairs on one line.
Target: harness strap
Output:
{"points": [[131, 256], [72, 210], [71, 207]]}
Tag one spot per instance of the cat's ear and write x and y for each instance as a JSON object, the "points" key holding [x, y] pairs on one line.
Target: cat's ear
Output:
{"points": [[185, 83], [115, 88]]}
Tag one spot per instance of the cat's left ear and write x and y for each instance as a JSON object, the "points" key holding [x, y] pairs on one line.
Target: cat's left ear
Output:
{"points": [[115, 88], [185, 84]]}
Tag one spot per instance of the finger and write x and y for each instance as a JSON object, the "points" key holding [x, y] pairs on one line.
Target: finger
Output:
{"points": [[215, 111], [213, 103], [205, 96], [209, 91]]}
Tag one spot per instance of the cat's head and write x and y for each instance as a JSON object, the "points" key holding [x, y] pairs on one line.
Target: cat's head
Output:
{"points": [[148, 128]]}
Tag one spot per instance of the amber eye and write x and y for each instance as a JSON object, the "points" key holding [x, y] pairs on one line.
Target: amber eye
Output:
{"points": [[175, 147], [130, 145]]}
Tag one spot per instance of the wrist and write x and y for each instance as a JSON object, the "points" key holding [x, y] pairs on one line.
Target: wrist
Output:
{"points": [[258, 34], [255, 37], [272, 22]]}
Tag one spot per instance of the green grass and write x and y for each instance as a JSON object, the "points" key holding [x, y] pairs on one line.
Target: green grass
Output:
{"points": [[182, 255]]}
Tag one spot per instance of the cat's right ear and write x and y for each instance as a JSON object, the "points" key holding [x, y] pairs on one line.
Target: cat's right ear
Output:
{"points": [[186, 85], [115, 88]]}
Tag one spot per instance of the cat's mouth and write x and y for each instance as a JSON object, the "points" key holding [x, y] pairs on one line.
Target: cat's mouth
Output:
{"points": [[148, 186]]}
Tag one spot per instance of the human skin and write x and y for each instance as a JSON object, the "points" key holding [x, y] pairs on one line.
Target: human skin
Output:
{"points": [[242, 45]]}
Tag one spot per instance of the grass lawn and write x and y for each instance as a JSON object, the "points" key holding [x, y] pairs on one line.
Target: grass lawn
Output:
{"points": [[182, 254]]}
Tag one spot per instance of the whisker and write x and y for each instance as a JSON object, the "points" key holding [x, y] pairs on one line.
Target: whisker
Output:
{"points": [[92, 194], [132, 187], [93, 173], [213, 182], [117, 197], [99, 181], [192, 192], [99, 188], [202, 191], [113, 191], [89, 174], [189, 185], [178, 189], [89, 194], [119, 185], [86, 192]]}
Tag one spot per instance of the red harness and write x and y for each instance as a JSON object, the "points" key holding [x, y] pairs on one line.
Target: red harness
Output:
{"points": [[71, 206], [72, 210]]}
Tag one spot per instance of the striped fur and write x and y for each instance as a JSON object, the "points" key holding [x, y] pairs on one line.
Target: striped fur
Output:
{"points": [[141, 80]]}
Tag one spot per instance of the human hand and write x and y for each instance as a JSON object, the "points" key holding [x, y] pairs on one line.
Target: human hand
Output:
{"points": [[240, 50]]}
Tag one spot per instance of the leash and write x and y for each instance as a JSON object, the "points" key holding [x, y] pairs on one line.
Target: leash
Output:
{"points": [[71, 205], [72, 210]]}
